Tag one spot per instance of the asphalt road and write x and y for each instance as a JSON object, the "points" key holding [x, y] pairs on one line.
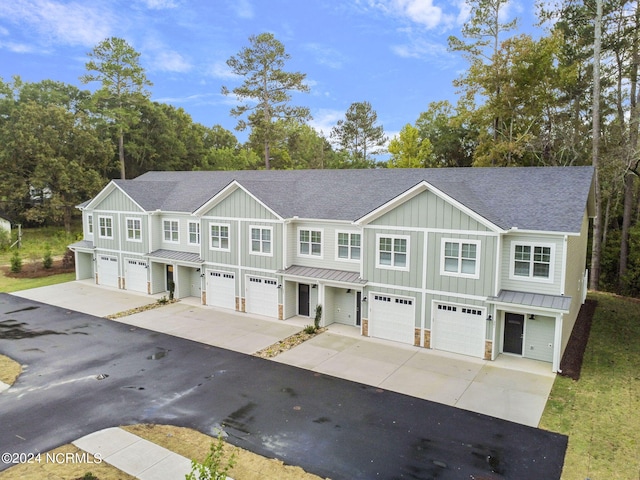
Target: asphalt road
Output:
{"points": [[328, 426]]}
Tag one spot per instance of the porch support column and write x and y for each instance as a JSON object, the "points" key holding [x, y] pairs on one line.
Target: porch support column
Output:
{"points": [[557, 344]]}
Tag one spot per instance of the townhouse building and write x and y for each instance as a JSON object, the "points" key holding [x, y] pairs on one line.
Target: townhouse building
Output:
{"points": [[474, 261]]}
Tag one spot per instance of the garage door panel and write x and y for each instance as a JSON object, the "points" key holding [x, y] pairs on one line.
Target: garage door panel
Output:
{"points": [[392, 318], [459, 329], [136, 275], [262, 296], [108, 270], [221, 289]]}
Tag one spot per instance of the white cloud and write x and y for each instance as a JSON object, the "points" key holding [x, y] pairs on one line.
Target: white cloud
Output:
{"points": [[326, 56], [160, 4], [221, 70], [422, 12], [243, 8], [70, 23], [325, 119], [16, 47], [420, 48], [170, 61]]}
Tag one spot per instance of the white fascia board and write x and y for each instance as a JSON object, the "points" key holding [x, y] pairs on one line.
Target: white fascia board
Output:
{"points": [[519, 308], [225, 192], [419, 188], [545, 233], [106, 191]]}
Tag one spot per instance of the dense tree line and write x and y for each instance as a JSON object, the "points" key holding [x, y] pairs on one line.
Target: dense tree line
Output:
{"points": [[569, 97]]}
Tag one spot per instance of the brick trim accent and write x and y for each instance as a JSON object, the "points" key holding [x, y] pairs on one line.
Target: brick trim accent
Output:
{"points": [[488, 349], [427, 338], [365, 327], [417, 333]]}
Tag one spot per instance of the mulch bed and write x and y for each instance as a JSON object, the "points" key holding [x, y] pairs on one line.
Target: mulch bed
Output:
{"points": [[36, 270], [571, 362]]}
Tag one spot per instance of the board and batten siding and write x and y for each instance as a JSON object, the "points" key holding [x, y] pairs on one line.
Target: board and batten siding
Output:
{"points": [[140, 247], [552, 287], [272, 262], [539, 338], [238, 204], [183, 233], [392, 275], [117, 201], [218, 256], [427, 210], [485, 265]]}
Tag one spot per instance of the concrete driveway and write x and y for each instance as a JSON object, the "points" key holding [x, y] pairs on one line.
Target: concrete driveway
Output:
{"points": [[510, 388]]}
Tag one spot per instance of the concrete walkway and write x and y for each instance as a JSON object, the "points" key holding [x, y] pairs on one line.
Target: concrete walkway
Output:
{"points": [[134, 455], [511, 388]]}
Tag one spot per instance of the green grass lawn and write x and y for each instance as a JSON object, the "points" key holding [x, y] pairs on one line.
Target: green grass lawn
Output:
{"points": [[8, 285], [601, 412], [35, 240]]}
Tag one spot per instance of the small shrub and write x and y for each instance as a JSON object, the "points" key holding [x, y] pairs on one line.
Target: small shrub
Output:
{"points": [[316, 321], [163, 300], [214, 467], [47, 259], [172, 288], [16, 262], [89, 476], [310, 329]]}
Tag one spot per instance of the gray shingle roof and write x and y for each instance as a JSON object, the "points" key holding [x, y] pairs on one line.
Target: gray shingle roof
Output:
{"points": [[554, 302], [86, 244], [534, 198], [324, 274]]}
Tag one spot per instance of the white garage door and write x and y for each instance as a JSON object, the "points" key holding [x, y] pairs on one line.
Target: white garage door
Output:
{"points": [[221, 289], [108, 270], [392, 318], [458, 329], [135, 275], [262, 296]]}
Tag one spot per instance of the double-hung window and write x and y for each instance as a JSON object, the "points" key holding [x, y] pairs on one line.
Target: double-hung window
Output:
{"points": [[134, 229], [261, 240], [90, 224], [460, 258], [171, 231], [532, 261], [393, 252], [194, 233], [348, 246], [105, 227], [219, 237], [310, 242]]}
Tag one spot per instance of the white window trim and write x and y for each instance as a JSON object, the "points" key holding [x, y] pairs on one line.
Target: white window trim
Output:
{"points": [[531, 278], [261, 253], [90, 224], [220, 249], [349, 259], [100, 235], [459, 273], [311, 230], [126, 224], [170, 220], [393, 238], [197, 224]]}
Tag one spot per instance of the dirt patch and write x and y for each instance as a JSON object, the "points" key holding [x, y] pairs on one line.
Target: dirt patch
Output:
{"points": [[195, 445], [35, 269], [287, 344], [9, 370], [571, 363]]}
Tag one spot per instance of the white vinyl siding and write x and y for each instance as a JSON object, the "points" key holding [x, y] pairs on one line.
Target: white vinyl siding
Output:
{"points": [[261, 240], [171, 231], [134, 229], [194, 233], [349, 246], [219, 237], [460, 258], [392, 252], [105, 225]]}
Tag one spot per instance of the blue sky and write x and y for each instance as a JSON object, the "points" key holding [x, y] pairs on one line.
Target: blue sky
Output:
{"points": [[391, 53]]}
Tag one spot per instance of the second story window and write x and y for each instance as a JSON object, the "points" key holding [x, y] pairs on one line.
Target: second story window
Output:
{"points": [[261, 240], [348, 246], [532, 261], [106, 227], [90, 224], [170, 229], [310, 242], [219, 237], [393, 252], [134, 229], [194, 233], [460, 258]]}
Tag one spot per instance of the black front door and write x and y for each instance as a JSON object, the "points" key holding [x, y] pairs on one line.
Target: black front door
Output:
{"points": [[358, 307], [303, 299], [513, 333]]}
